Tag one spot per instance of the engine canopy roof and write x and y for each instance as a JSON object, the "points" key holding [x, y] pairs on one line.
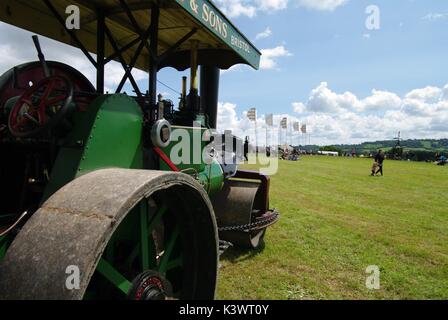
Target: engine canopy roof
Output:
{"points": [[221, 44]]}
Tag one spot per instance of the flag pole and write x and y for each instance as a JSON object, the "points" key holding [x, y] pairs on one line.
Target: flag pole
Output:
{"points": [[256, 137], [266, 145]]}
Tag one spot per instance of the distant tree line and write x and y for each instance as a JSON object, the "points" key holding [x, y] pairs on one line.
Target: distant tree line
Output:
{"points": [[413, 155], [412, 149], [424, 144]]}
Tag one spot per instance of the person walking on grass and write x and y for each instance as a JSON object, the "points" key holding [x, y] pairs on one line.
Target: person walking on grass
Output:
{"points": [[246, 148], [379, 159]]}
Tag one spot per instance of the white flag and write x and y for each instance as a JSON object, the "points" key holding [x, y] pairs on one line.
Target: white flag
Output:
{"points": [[296, 126], [284, 123], [252, 114], [269, 119]]}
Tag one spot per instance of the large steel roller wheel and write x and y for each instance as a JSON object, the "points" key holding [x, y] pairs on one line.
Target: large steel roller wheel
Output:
{"points": [[135, 234], [237, 204]]}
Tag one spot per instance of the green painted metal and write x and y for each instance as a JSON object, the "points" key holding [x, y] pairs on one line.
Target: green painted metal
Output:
{"points": [[209, 16], [212, 178], [115, 277], [115, 138], [176, 263], [168, 250], [109, 252], [107, 134], [188, 146], [144, 249], [4, 244], [157, 217], [152, 224], [144, 235]]}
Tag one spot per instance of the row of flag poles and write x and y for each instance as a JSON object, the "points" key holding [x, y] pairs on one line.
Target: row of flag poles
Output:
{"points": [[269, 119]]}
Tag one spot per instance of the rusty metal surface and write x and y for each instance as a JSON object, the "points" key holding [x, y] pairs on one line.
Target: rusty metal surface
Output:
{"points": [[73, 228], [264, 187], [234, 205]]}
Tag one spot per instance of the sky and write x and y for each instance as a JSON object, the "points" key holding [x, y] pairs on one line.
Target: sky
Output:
{"points": [[321, 66]]}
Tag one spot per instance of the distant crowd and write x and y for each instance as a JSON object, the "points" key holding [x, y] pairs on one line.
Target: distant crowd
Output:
{"points": [[293, 154]]}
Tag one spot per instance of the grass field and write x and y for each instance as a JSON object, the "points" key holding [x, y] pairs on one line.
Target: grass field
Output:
{"points": [[336, 220]]}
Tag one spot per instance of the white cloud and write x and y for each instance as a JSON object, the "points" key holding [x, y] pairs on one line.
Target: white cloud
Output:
{"points": [[380, 100], [366, 35], [19, 49], [241, 126], [235, 68], [236, 8], [322, 5], [324, 100], [269, 56], [298, 107], [345, 118], [249, 8], [272, 5], [435, 16], [264, 34], [445, 93], [430, 94], [9, 57], [336, 118], [268, 60]]}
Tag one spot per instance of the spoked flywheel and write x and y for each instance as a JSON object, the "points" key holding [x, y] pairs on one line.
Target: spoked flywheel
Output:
{"points": [[148, 255], [131, 234]]}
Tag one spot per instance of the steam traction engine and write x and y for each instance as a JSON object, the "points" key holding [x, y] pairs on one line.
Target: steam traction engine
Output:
{"points": [[88, 183]]}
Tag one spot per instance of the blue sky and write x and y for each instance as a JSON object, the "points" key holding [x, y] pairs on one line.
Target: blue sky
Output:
{"points": [[408, 52], [320, 66], [327, 42]]}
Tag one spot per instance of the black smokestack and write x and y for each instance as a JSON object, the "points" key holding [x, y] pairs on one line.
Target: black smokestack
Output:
{"points": [[209, 92]]}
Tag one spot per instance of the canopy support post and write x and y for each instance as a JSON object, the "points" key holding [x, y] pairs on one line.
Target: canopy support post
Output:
{"points": [[128, 70], [122, 61], [134, 22], [101, 23], [193, 104], [167, 53], [70, 32], [123, 49], [154, 63]]}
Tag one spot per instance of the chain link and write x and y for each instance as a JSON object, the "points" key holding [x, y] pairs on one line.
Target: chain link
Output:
{"points": [[251, 226]]}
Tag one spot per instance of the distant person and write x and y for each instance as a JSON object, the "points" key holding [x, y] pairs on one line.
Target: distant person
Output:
{"points": [[379, 159], [246, 148], [294, 155], [374, 168], [353, 153], [268, 151], [442, 160]]}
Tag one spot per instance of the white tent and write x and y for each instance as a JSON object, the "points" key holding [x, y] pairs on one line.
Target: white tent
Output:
{"points": [[329, 153]]}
